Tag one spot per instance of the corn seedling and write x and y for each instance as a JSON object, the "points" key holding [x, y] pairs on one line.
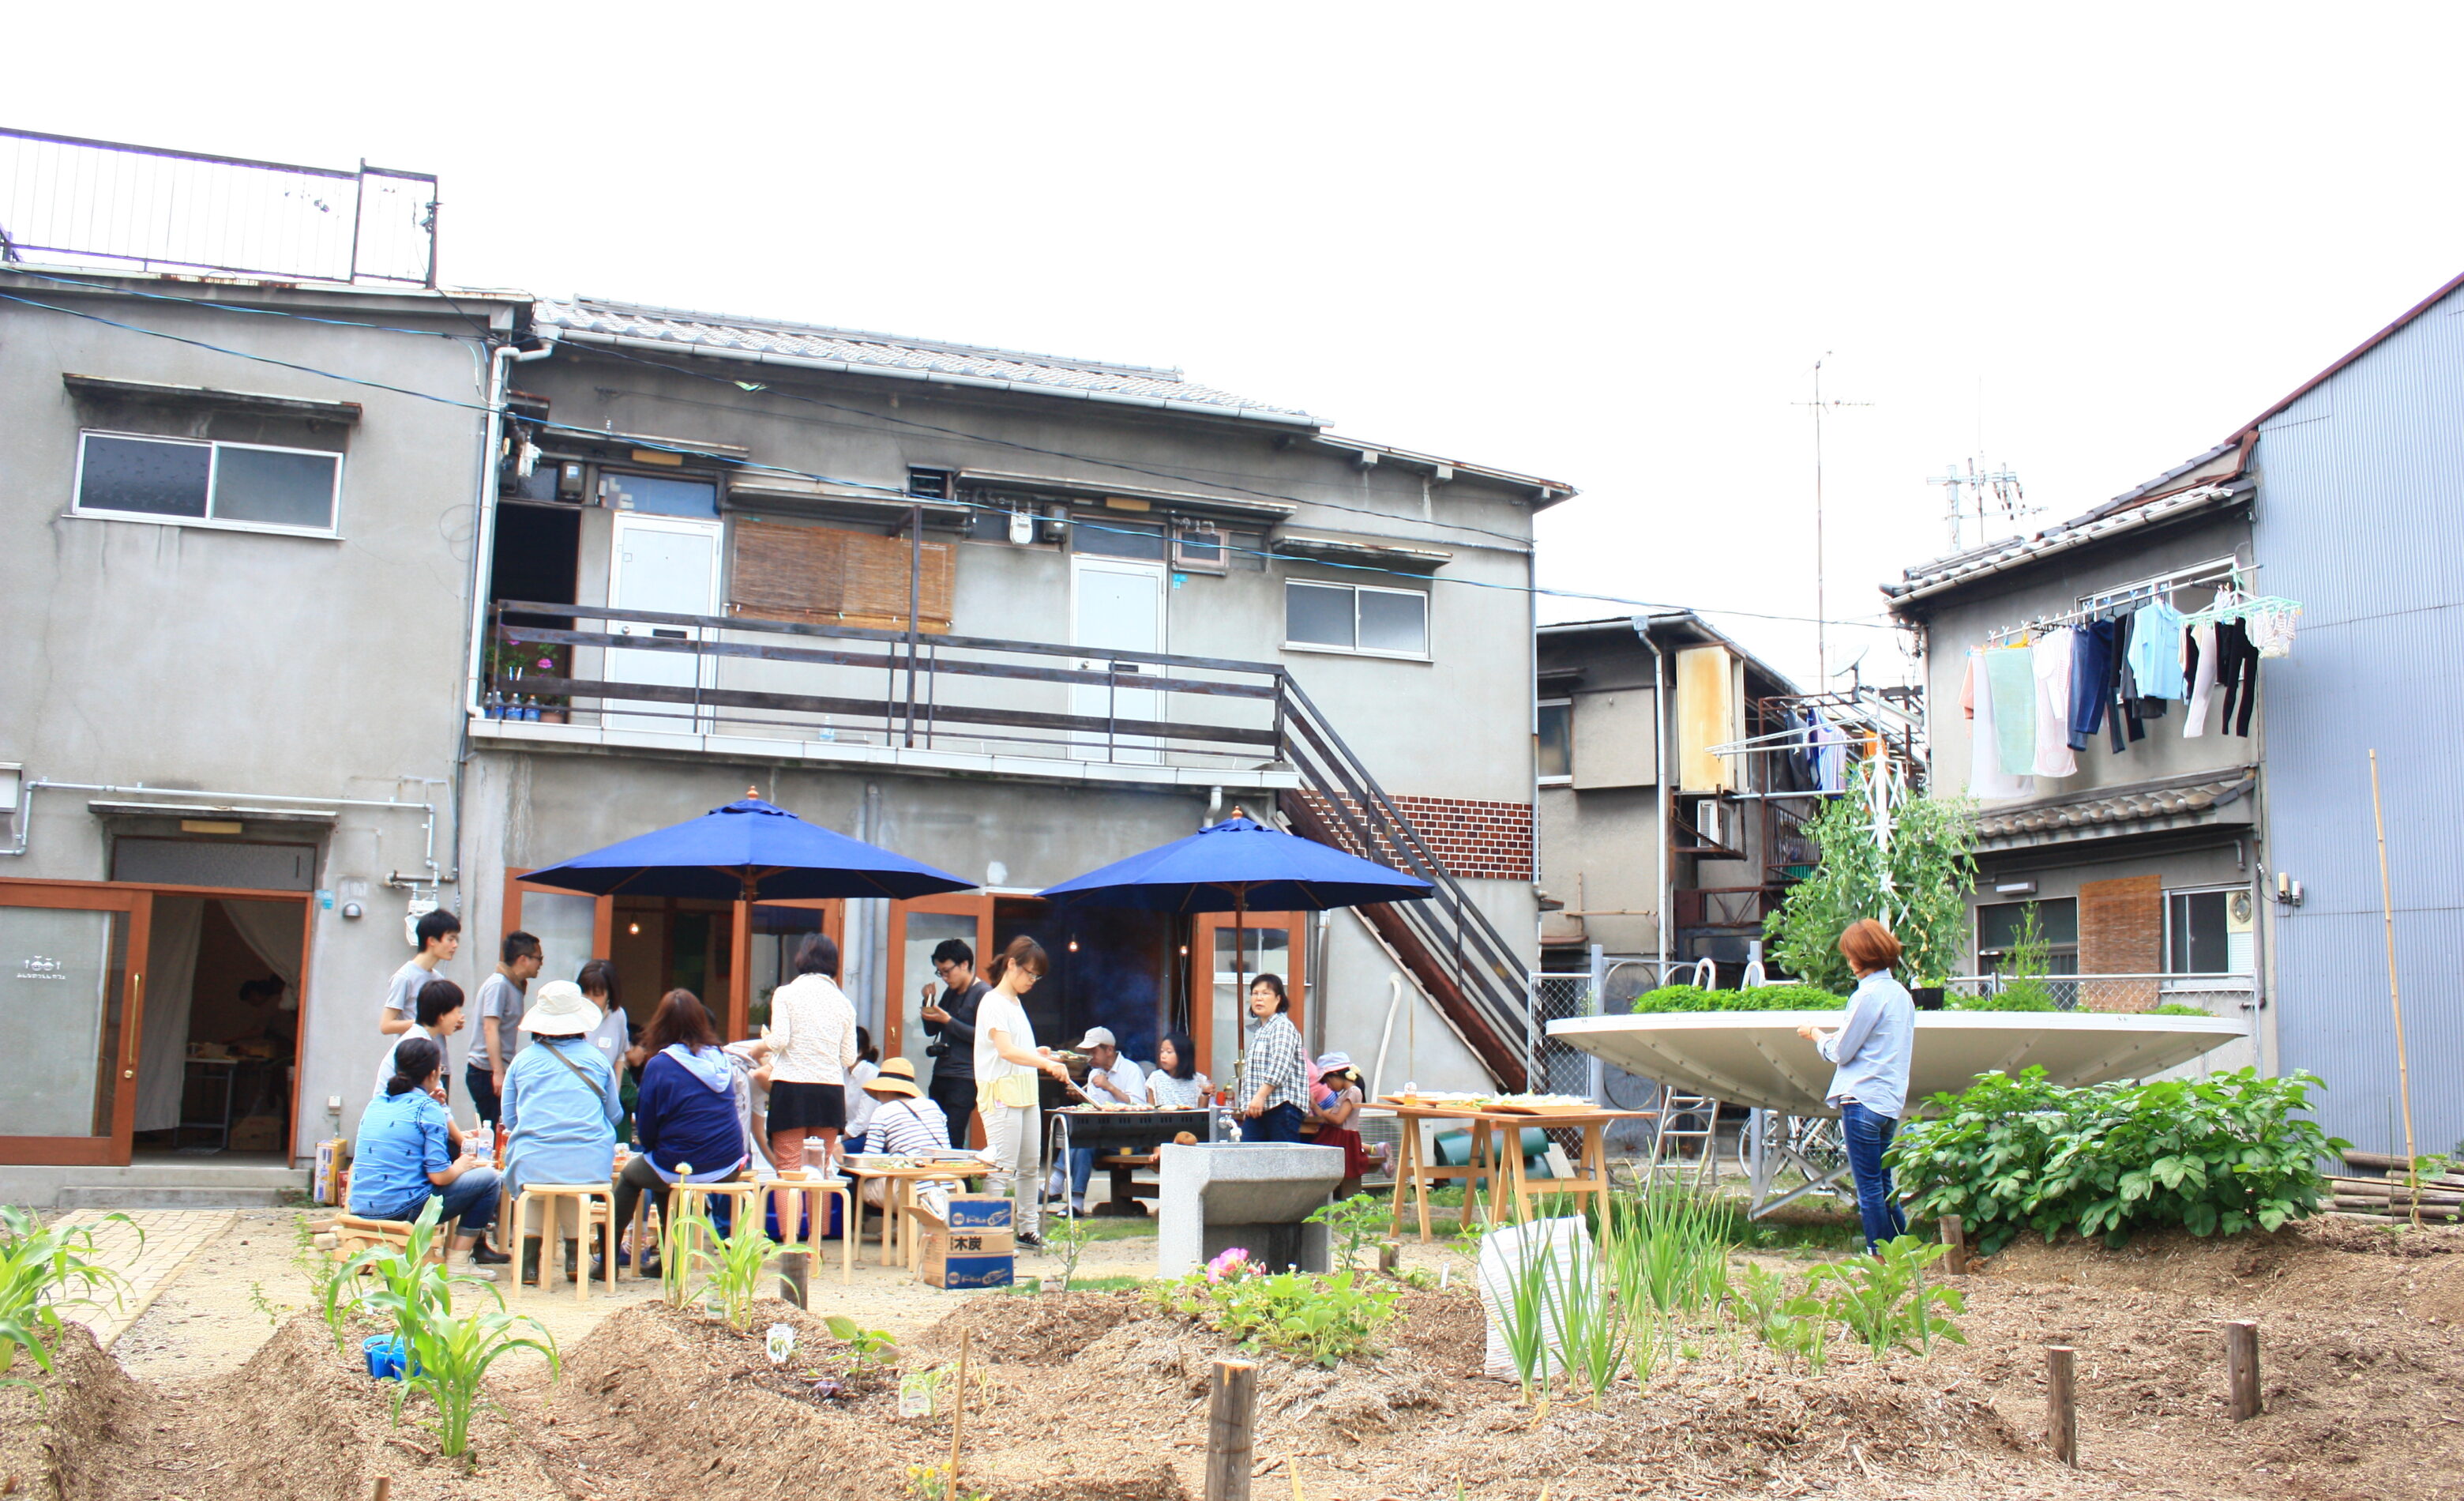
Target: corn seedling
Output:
{"points": [[734, 1262], [410, 1289], [447, 1358], [44, 1269]]}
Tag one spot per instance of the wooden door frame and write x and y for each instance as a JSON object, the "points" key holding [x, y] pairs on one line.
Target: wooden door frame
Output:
{"points": [[137, 903], [1201, 986], [740, 981], [509, 914], [975, 904]]}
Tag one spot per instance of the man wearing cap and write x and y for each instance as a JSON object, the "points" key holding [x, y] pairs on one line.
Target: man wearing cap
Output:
{"points": [[1110, 1080], [560, 1102], [904, 1123]]}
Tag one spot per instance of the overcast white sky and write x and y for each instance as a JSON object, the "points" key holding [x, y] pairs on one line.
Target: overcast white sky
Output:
{"points": [[1604, 245]]}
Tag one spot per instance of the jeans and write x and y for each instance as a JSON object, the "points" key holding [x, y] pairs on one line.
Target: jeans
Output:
{"points": [[471, 1198], [1869, 1135], [1276, 1123], [482, 1085]]}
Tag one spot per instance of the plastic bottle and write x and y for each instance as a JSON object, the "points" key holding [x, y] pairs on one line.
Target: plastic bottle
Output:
{"points": [[494, 708]]}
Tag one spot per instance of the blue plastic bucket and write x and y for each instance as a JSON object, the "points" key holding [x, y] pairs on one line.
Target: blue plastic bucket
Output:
{"points": [[386, 1356]]}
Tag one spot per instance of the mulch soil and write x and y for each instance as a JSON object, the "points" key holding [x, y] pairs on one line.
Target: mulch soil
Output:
{"points": [[1101, 1397]]}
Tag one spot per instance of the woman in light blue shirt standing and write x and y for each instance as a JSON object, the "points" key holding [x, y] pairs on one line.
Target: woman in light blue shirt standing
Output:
{"points": [[1870, 1085]]}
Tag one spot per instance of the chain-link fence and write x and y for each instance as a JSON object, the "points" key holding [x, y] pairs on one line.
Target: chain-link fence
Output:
{"points": [[2230, 996], [1554, 1066]]}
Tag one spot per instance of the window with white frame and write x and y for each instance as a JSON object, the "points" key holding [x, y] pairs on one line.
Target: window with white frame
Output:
{"points": [[1355, 617], [1553, 742], [2209, 932], [199, 482]]}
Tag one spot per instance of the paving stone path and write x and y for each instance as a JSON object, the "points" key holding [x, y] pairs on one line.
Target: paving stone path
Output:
{"points": [[171, 1238]]}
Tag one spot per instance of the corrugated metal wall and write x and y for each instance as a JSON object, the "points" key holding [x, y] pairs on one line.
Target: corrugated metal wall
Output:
{"points": [[2361, 518]]}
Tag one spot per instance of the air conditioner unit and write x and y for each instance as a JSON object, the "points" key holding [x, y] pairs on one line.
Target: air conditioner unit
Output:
{"points": [[1716, 822]]}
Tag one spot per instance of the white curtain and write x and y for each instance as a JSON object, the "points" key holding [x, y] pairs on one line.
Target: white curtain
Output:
{"points": [[272, 931], [171, 974]]}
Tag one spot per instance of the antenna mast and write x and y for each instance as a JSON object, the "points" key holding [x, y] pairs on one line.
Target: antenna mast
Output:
{"points": [[1990, 494]]}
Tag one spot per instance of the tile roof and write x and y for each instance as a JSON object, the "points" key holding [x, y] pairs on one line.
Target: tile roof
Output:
{"points": [[2106, 811], [887, 354]]}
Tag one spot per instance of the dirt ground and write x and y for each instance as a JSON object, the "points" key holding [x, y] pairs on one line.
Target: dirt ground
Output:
{"points": [[1098, 1396]]}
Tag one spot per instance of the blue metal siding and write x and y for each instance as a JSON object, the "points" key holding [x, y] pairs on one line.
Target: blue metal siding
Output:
{"points": [[2359, 514]]}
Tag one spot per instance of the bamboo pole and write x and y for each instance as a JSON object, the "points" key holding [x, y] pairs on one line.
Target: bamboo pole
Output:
{"points": [[958, 1413], [2061, 1402], [2395, 991], [2241, 1369]]}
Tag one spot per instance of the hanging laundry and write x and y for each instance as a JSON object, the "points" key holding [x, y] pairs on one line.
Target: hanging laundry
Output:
{"points": [[2237, 669], [2053, 656], [1830, 754], [2010, 681], [2199, 664], [2156, 649], [1985, 776], [2091, 673], [2122, 692], [2270, 631]]}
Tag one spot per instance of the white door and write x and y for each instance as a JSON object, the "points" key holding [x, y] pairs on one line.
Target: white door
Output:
{"points": [[1116, 606], [670, 566]]}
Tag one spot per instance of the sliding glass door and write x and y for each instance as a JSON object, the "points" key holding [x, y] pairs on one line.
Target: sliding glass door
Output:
{"points": [[69, 1014]]}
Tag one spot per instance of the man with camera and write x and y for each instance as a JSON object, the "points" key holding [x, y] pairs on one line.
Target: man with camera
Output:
{"points": [[950, 1022]]}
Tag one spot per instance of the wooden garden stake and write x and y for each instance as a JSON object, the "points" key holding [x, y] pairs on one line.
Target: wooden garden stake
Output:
{"points": [[958, 1413], [796, 1277], [2395, 992], [2061, 1402], [384, 1490], [1390, 1256], [2241, 1369], [1955, 1236], [1231, 1438]]}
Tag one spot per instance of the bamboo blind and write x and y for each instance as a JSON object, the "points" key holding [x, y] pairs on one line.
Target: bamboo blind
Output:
{"points": [[826, 575]]}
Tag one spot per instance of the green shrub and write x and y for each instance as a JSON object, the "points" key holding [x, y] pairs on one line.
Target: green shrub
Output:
{"points": [[2225, 1154], [2177, 1008], [1761, 998], [1322, 1319], [2027, 994], [1917, 882], [2022, 974]]}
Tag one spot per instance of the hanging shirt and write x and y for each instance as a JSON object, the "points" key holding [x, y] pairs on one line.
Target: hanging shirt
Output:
{"points": [[2050, 660], [2011, 682], [2156, 650], [1985, 776]]}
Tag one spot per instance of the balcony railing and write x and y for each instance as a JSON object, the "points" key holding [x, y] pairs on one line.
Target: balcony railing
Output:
{"points": [[708, 675], [2232, 996]]}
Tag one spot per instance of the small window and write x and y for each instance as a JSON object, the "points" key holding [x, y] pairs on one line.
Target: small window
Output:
{"points": [[1998, 926], [930, 484], [2207, 933], [1345, 617], [1098, 535], [1198, 547], [1552, 743], [659, 495], [238, 484]]}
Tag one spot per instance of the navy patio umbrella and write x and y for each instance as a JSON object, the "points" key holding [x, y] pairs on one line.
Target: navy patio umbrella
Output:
{"points": [[1234, 866], [747, 852]]}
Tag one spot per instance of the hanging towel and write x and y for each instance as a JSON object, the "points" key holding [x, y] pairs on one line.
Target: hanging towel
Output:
{"points": [[2052, 656], [2270, 631], [2091, 680], [2011, 683], [2199, 664], [2156, 650], [1986, 778]]}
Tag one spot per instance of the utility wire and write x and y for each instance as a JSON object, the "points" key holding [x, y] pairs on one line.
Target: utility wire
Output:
{"points": [[689, 452]]}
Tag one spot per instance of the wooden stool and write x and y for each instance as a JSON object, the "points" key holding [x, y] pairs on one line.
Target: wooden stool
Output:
{"points": [[688, 1201], [594, 1207], [353, 1235], [810, 1191]]}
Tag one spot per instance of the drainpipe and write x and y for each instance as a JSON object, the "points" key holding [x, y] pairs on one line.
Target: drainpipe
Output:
{"points": [[483, 544], [1659, 730]]}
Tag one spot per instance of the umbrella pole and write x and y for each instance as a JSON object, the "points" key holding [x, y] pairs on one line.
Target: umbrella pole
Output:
{"points": [[1240, 980]]}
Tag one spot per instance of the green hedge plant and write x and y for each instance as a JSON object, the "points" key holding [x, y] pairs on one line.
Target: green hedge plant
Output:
{"points": [[1761, 998], [2225, 1154]]}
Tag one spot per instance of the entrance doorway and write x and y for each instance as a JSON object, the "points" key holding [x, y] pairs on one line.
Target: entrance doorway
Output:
{"points": [[1116, 606], [220, 1031], [669, 565]]}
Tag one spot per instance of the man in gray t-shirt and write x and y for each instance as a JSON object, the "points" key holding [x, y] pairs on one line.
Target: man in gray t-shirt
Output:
{"points": [[439, 935], [499, 1011]]}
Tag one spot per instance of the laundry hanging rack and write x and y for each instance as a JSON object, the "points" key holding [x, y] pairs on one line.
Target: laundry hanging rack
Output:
{"points": [[2228, 576]]}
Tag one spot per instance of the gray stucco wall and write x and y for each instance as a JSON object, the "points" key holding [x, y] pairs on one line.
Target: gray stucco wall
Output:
{"points": [[241, 662], [2360, 485]]}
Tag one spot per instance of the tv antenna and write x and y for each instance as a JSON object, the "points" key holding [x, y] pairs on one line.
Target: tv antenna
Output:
{"points": [[1988, 492], [1821, 615]]}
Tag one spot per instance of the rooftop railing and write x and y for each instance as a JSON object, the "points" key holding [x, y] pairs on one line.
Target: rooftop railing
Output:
{"points": [[2218, 995]]}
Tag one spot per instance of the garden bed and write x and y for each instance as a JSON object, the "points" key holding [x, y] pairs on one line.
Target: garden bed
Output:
{"points": [[1101, 1396]]}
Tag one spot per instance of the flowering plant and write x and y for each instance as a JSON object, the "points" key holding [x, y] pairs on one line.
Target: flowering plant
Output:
{"points": [[1231, 1265]]}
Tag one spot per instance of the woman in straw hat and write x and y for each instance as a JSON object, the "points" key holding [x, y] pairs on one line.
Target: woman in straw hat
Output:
{"points": [[904, 1123], [561, 1106]]}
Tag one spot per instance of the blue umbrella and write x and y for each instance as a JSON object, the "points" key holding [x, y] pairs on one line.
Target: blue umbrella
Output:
{"points": [[1238, 865], [745, 851]]}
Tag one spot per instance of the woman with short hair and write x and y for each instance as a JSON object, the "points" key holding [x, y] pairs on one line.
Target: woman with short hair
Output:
{"points": [[1275, 1069], [1869, 1086]]}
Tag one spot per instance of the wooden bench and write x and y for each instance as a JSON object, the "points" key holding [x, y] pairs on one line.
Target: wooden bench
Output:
{"points": [[345, 1235], [1127, 1191]]}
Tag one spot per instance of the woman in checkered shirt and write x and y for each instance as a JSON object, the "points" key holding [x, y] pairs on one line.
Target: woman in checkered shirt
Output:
{"points": [[1275, 1068]]}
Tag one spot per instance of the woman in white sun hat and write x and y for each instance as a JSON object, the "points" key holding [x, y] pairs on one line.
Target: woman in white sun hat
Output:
{"points": [[561, 1103]]}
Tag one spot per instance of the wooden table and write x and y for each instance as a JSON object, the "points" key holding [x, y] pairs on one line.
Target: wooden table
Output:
{"points": [[898, 1184], [1497, 1160]]}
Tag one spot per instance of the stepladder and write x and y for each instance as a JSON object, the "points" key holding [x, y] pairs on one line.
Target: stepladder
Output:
{"points": [[1684, 1144]]}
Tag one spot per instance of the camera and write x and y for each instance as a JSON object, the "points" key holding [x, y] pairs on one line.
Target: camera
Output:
{"points": [[937, 1050]]}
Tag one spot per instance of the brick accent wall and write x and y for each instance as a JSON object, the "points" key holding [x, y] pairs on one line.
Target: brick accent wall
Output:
{"points": [[1473, 840]]}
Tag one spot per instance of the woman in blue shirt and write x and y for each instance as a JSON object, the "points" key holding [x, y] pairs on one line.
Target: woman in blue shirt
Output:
{"points": [[689, 1116], [561, 1103], [1870, 1086], [407, 1153]]}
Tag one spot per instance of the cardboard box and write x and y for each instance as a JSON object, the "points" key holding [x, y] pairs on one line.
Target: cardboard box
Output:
{"points": [[979, 1212], [939, 1242], [257, 1134], [966, 1272]]}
